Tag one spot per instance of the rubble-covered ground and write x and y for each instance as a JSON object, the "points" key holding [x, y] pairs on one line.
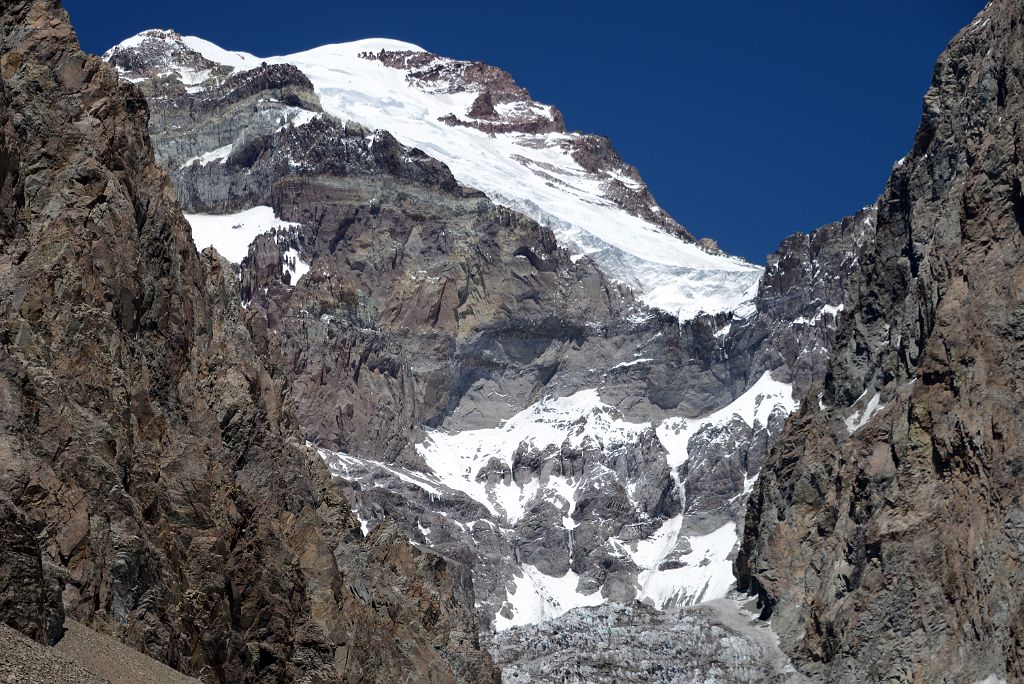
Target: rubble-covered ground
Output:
{"points": [[719, 641]]}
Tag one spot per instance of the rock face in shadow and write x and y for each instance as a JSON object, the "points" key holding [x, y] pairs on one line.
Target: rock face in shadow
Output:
{"points": [[30, 590], [885, 534], [143, 421]]}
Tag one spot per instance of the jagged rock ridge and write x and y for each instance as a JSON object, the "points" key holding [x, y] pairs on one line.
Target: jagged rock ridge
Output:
{"points": [[884, 536], [144, 428]]}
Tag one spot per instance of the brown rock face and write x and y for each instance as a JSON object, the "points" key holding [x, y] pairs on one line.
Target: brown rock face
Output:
{"points": [[29, 590], [435, 73], [886, 534], [142, 425]]}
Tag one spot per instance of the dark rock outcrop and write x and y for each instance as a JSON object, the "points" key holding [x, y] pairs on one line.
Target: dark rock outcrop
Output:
{"points": [[144, 425], [30, 590], [884, 537]]}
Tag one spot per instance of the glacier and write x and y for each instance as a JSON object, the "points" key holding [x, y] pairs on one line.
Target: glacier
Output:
{"points": [[532, 173]]}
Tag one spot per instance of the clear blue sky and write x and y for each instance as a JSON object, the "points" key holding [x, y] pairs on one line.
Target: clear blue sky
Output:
{"points": [[749, 119]]}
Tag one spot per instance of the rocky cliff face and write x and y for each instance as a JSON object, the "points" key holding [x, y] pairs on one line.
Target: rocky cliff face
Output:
{"points": [[884, 537], [787, 339], [145, 428], [800, 299], [181, 431], [30, 589]]}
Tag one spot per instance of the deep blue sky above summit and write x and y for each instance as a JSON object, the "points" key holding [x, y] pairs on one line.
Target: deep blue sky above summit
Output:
{"points": [[749, 120]]}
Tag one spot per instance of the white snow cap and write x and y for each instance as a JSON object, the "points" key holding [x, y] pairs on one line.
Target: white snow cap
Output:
{"points": [[531, 173]]}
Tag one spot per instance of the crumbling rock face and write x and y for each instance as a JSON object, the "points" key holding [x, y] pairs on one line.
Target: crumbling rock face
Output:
{"points": [[30, 590], [789, 335], [444, 286], [884, 535], [144, 427]]}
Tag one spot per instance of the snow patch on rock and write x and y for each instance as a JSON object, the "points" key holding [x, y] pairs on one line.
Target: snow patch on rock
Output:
{"points": [[457, 459], [675, 568], [231, 234], [706, 575], [538, 597], [753, 407], [859, 419]]}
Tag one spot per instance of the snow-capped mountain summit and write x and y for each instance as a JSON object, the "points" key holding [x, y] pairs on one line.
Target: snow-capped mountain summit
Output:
{"points": [[495, 138], [462, 367]]}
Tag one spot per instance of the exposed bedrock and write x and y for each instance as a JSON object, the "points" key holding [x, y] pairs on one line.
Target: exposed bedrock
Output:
{"points": [[884, 536], [144, 425]]}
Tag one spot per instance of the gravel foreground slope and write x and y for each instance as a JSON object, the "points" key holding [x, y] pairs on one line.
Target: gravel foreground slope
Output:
{"points": [[82, 657]]}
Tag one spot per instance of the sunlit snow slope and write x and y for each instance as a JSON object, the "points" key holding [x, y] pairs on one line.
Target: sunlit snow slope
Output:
{"points": [[673, 566], [536, 173], [231, 234]]}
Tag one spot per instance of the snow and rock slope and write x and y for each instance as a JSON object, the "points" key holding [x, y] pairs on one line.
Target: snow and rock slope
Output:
{"points": [[501, 397], [494, 138], [570, 504]]}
